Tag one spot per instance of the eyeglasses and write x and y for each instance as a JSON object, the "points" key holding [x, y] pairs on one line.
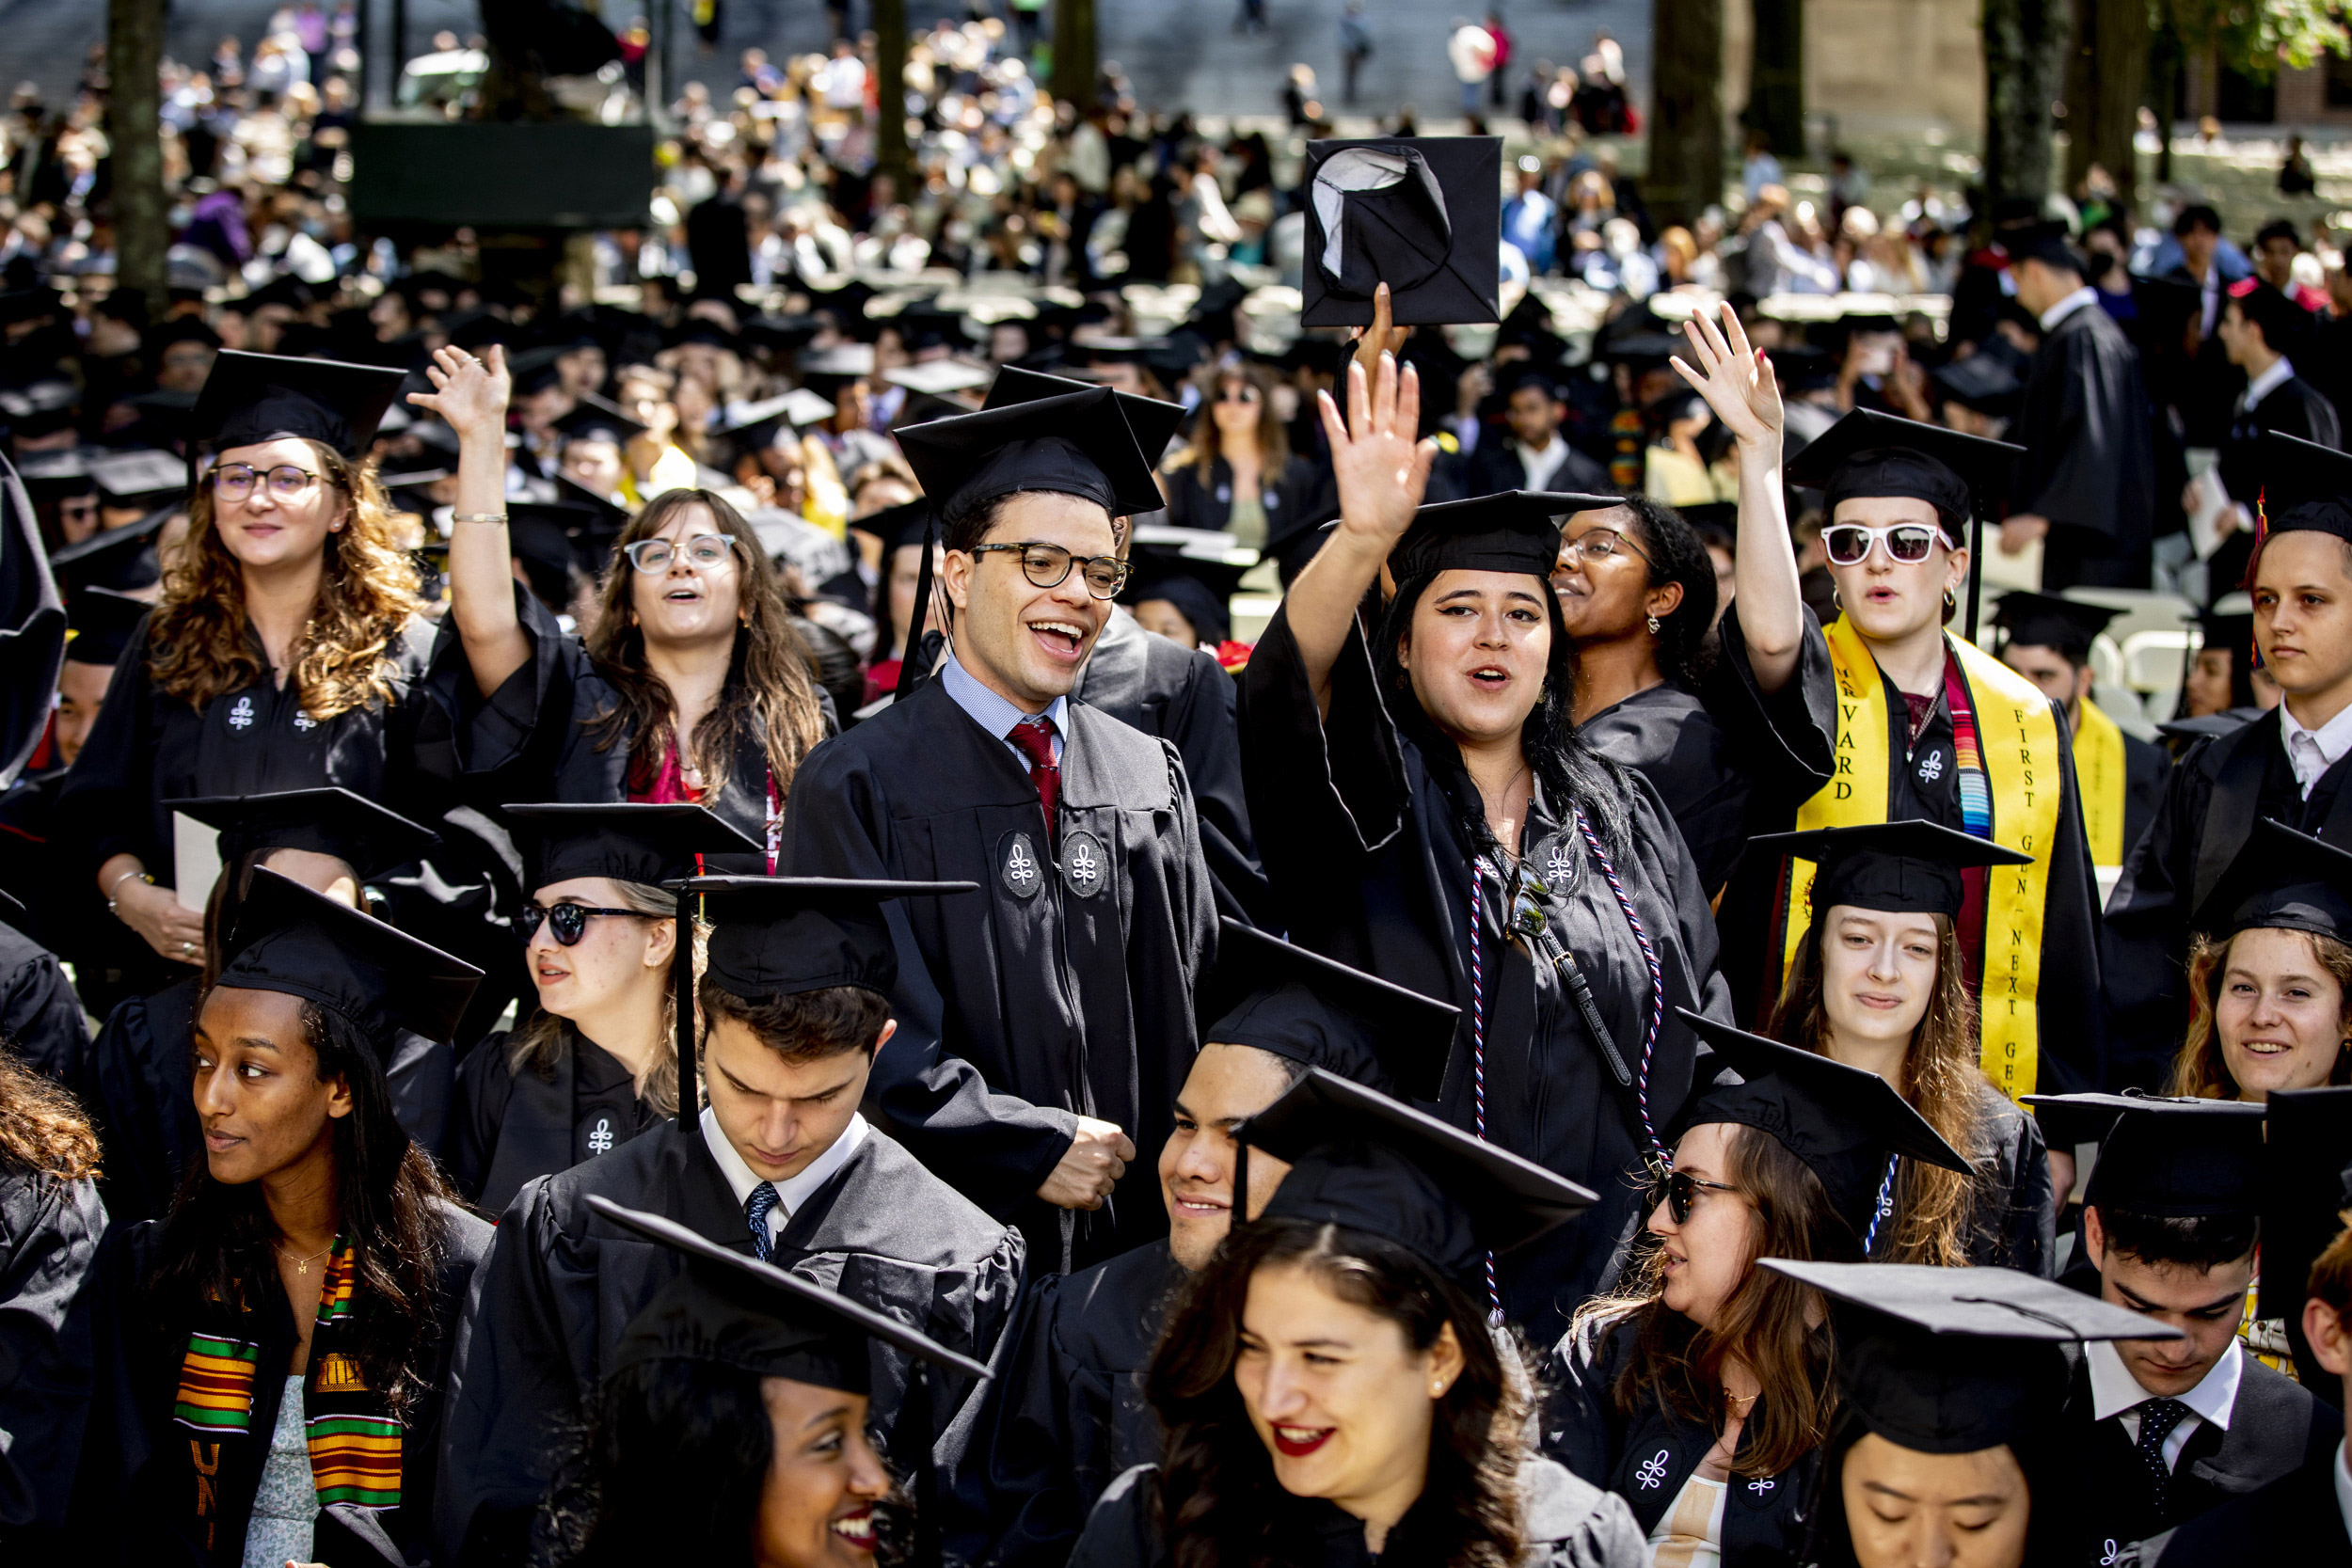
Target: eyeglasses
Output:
{"points": [[1848, 543], [569, 922], [1599, 543], [1679, 1191], [1046, 565], [235, 481], [1238, 394], [704, 552]]}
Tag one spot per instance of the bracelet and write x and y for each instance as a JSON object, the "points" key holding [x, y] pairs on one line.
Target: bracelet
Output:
{"points": [[477, 518], [143, 875]]}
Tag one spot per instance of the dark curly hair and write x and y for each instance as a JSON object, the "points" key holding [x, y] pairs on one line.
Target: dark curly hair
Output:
{"points": [[1675, 554], [1217, 1490]]}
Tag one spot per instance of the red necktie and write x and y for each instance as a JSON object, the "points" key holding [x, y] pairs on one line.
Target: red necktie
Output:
{"points": [[1035, 739]]}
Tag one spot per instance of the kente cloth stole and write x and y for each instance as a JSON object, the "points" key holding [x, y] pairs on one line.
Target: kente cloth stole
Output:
{"points": [[2099, 772], [2007, 751], [353, 1440]]}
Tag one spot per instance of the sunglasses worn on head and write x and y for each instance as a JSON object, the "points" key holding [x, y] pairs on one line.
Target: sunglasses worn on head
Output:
{"points": [[1848, 543], [1679, 1191], [569, 922]]}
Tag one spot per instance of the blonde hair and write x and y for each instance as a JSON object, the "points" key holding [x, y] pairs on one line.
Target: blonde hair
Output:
{"points": [[2200, 1069]]}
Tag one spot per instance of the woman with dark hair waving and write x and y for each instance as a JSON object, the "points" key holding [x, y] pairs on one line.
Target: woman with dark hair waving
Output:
{"points": [[1429, 814], [1331, 1391], [1879, 984], [272, 1355], [1699, 1391], [692, 687]]}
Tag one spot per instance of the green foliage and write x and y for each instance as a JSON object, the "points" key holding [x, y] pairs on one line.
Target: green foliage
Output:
{"points": [[2256, 37]]}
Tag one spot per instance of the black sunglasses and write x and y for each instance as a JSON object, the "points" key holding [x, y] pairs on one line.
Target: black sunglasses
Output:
{"points": [[569, 922], [1679, 1191]]}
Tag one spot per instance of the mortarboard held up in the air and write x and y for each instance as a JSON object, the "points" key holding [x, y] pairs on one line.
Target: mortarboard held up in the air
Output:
{"points": [[1422, 215]]}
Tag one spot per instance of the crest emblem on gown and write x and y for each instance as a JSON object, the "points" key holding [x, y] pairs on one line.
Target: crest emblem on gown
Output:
{"points": [[304, 722], [1083, 865], [241, 713], [1017, 865], [601, 1137], [1653, 1472], [1931, 766], [1560, 863]]}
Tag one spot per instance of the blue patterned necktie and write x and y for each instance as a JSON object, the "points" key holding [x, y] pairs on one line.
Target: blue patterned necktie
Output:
{"points": [[755, 1211], [2157, 1417]]}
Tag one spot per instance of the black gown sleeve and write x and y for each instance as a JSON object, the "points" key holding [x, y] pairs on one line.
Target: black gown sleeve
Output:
{"points": [[1580, 1428], [2014, 1225], [1034, 1511], [1123, 1529], [107, 801], [39, 1015], [1787, 740], [2146, 768], [50, 1232], [2072, 1022], [509, 742], [1203, 723], [2143, 939], [484, 1088]]}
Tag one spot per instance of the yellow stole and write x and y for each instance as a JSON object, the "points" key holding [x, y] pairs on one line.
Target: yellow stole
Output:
{"points": [[2017, 736], [2099, 775]]}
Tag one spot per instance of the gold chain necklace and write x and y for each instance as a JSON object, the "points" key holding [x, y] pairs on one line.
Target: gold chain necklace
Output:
{"points": [[302, 1265]]}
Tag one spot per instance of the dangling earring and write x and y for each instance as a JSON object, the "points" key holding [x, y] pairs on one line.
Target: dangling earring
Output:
{"points": [[1834, 598], [1653, 626], [1950, 604]]}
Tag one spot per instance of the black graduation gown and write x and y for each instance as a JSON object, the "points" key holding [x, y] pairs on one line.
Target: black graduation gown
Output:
{"points": [[515, 1122], [1667, 735], [2146, 765], [1646, 1455], [130, 1453], [1063, 988], [2294, 1520], [63, 913], [2276, 1428], [1184, 696], [2090, 463], [39, 1015], [562, 1284], [2210, 802], [1921, 786], [50, 1232], [1371, 870], [1569, 1523], [2294, 408], [2014, 1222], [140, 1092], [1068, 1417]]}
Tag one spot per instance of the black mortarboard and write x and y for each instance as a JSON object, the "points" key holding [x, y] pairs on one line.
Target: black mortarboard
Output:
{"points": [[1302, 1006], [2049, 243], [1842, 1121], [543, 536], [102, 622], [2180, 1159], [2045, 621], [41, 408], [594, 419], [2305, 1151], [251, 398], [2228, 631], [1518, 530], [144, 478], [730, 1308], [1802, 368], [355, 829], [628, 840], [298, 942], [535, 371], [1987, 382], [1363, 1161], [113, 558], [1200, 587], [1153, 422], [2071, 1119], [1906, 867], [1954, 1361], [54, 475], [940, 378], [1870, 453], [842, 363], [800, 408], [2306, 487], [2206, 726], [1079, 444], [895, 526], [1422, 215], [2281, 880]]}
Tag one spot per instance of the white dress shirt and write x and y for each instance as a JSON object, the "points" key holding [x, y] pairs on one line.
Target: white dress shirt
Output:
{"points": [[2114, 1392], [2067, 307], [2312, 752], [2344, 1487], [792, 1192], [2268, 382], [1541, 465]]}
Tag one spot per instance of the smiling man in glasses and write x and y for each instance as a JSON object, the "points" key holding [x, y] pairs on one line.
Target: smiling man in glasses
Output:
{"points": [[1044, 1028]]}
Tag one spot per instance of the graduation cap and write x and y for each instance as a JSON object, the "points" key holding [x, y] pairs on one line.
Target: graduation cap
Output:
{"points": [[42, 408], [731, 1309], [1842, 1121], [1518, 530], [757, 422], [102, 622], [703, 331], [1304, 1006], [2049, 243], [301, 944], [784, 936], [2306, 1156], [544, 536], [639, 842], [842, 363], [593, 419], [1958, 1360], [1155, 422], [165, 411], [1363, 1161], [367, 837], [2306, 487], [116, 558], [1986, 383], [2205, 726], [2045, 621], [1868, 453], [895, 526], [1906, 867], [142, 478], [2181, 1159], [2281, 880], [1422, 215], [1075, 444], [54, 475], [251, 398], [2071, 1119], [940, 378], [1199, 588]]}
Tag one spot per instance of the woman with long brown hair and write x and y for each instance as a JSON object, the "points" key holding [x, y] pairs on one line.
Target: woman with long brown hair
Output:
{"points": [[1879, 983], [1700, 1388], [1238, 476], [692, 687]]}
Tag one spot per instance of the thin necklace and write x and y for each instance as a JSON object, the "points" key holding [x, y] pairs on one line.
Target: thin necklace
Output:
{"points": [[1510, 850], [302, 1265]]}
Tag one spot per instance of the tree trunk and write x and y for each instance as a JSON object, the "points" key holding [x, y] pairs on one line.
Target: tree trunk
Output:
{"points": [[2107, 82], [1686, 120], [1073, 51], [890, 92], [135, 51], [2025, 59], [1776, 76]]}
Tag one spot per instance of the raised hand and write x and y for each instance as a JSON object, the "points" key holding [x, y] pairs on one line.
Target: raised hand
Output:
{"points": [[468, 393], [1736, 380], [1381, 468], [1381, 337]]}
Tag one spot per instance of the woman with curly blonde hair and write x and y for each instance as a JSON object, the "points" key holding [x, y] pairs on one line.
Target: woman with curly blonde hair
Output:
{"points": [[288, 651]]}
